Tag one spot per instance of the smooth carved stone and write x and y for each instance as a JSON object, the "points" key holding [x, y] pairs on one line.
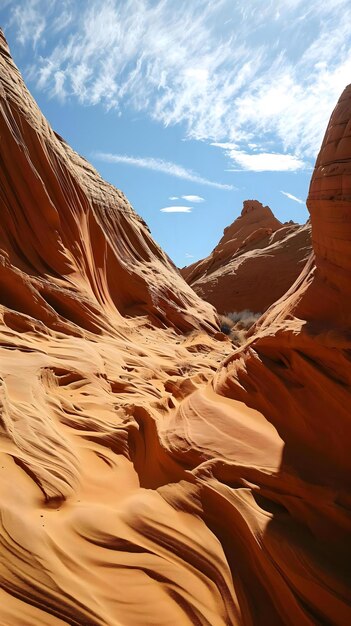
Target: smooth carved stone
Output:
{"points": [[255, 263]]}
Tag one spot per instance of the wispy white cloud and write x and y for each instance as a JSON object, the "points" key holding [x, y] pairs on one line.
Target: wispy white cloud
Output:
{"points": [[292, 197], [33, 20], [64, 19], [260, 161], [188, 255], [159, 165], [176, 209], [30, 22], [228, 72], [264, 161], [194, 198]]}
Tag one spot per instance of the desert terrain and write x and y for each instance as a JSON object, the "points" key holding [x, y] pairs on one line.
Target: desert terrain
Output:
{"points": [[151, 473]]}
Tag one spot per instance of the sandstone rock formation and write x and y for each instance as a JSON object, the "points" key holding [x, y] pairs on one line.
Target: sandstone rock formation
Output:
{"points": [[73, 248], [284, 402], [255, 262], [91, 312], [135, 487]]}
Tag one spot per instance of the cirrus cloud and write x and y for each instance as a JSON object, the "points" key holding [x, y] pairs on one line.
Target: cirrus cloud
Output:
{"points": [[292, 197], [176, 209], [159, 165], [210, 67], [193, 198], [265, 161]]}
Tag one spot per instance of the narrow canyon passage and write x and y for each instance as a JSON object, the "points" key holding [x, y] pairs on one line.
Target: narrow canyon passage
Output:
{"points": [[152, 473]]}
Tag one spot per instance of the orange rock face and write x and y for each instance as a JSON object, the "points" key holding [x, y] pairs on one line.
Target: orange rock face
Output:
{"points": [[91, 361], [73, 248], [137, 487], [242, 270], [296, 372]]}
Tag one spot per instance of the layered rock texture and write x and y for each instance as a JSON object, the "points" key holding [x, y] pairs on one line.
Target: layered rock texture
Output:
{"points": [[73, 248], [149, 476], [296, 372], [255, 262]]}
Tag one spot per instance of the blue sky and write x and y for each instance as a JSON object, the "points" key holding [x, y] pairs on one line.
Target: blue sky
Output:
{"points": [[189, 107]]}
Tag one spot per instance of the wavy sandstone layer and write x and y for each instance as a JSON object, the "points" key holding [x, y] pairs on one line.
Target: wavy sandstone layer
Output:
{"points": [[286, 396], [73, 248], [254, 264], [135, 489]]}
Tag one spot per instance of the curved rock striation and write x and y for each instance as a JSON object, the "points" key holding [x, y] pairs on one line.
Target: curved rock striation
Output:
{"points": [[255, 262], [282, 406], [140, 484], [72, 246], [91, 356]]}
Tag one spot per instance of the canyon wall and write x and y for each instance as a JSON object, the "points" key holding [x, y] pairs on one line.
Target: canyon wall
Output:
{"points": [[150, 475], [73, 249], [255, 263]]}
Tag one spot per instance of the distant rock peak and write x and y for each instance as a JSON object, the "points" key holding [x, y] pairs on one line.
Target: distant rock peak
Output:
{"points": [[250, 206], [255, 248]]}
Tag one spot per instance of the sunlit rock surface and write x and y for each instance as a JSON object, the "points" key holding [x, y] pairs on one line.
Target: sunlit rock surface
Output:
{"points": [[255, 263], [138, 485], [73, 248]]}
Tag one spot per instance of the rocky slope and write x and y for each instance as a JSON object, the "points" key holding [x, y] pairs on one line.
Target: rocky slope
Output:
{"points": [[283, 400], [91, 351], [255, 262], [137, 487], [73, 248]]}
